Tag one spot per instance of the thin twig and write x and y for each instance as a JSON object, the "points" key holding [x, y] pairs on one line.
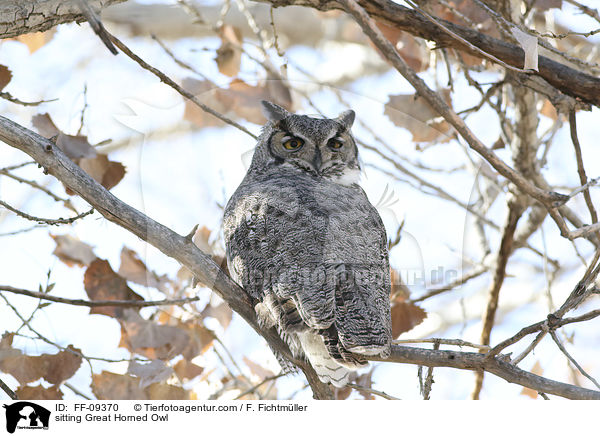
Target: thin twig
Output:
{"points": [[371, 391], [168, 81], [580, 168], [98, 303], [48, 221], [96, 25], [515, 209], [9, 97], [457, 342], [573, 361], [8, 390]]}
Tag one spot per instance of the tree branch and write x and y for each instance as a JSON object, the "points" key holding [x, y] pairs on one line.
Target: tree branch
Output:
{"points": [[515, 209], [568, 80], [8, 391], [97, 303], [496, 366], [26, 16]]}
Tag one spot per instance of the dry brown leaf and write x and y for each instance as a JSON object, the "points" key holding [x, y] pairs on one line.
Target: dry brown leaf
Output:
{"points": [[221, 313], [416, 115], [186, 370], [152, 340], [111, 386], [6, 349], [243, 99], [106, 172], [102, 283], [239, 100], [201, 239], [400, 291], [134, 270], [75, 147], [155, 371], [34, 41], [548, 110], [5, 76], [257, 370], [229, 55], [414, 53], [72, 251], [39, 393], [6, 341], [201, 339], [166, 392], [405, 316], [206, 92], [537, 370], [54, 368]]}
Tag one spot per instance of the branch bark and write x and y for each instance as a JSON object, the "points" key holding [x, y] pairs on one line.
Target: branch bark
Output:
{"points": [[18, 17], [178, 247]]}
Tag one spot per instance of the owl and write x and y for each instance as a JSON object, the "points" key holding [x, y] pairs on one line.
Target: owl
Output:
{"points": [[306, 244]]}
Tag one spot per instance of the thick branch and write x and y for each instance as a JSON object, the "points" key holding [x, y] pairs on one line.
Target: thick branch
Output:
{"points": [[570, 81], [25, 16]]}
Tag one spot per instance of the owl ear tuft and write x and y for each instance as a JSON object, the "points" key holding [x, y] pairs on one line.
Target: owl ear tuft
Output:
{"points": [[272, 111], [346, 119]]}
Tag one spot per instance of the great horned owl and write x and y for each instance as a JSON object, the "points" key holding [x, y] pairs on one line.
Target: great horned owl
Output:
{"points": [[305, 242]]}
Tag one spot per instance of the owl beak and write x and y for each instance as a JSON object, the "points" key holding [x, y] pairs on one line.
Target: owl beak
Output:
{"points": [[317, 161]]}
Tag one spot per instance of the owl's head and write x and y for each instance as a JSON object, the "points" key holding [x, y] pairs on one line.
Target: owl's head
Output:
{"points": [[322, 147]]}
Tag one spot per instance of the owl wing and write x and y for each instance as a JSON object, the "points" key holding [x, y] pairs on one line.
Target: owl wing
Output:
{"points": [[274, 239]]}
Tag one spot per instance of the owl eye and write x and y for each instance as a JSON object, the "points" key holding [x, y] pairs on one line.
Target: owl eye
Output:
{"points": [[335, 144], [292, 143]]}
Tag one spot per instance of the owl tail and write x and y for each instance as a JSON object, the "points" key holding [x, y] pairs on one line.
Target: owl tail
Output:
{"points": [[327, 368]]}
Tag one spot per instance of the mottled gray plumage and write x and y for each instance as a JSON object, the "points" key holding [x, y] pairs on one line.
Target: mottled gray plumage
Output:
{"points": [[305, 242]]}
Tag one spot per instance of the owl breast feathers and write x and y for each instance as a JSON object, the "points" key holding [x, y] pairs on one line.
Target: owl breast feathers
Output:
{"points": [[305, 242]]}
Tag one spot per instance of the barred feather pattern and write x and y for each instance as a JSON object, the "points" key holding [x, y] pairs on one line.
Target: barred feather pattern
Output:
{"points": [[303, 239]]}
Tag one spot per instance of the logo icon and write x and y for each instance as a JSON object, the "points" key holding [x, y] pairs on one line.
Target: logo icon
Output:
{"points": [[26, 415]]}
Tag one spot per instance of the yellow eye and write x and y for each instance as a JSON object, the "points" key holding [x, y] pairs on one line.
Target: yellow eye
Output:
{"points": [[335, 144], [293, 143]]}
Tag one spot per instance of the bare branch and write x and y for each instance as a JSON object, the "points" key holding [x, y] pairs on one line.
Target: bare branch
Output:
{"points": [[8, 391], [515, 209], [48, 221], [496, 366], [98, 303], [168, 81], [25, 16]]}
